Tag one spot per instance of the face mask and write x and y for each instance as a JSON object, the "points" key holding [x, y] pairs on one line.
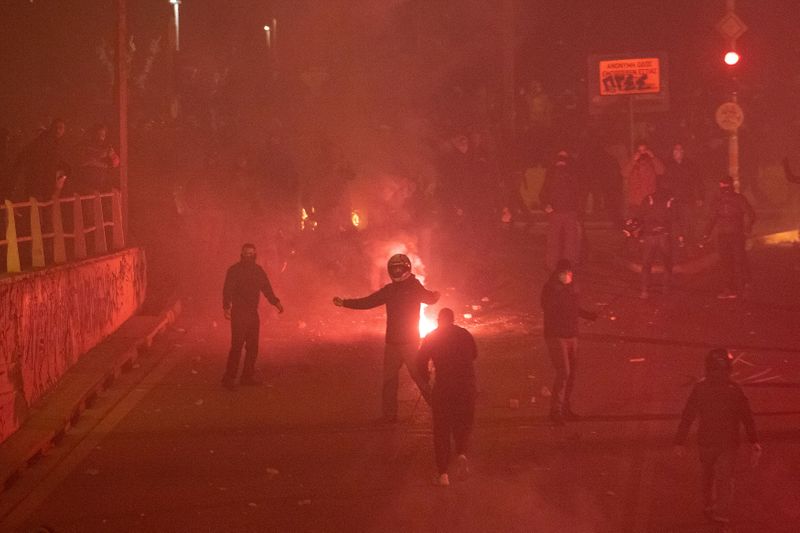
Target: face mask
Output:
{"points": [[565, 277], [248, 258]]}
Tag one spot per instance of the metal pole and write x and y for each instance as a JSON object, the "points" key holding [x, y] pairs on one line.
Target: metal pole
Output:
{"points": [[733, 138], [121, 80], [508, 22]]}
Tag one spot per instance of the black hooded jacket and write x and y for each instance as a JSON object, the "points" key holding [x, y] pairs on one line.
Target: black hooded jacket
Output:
{"points": [[722, 408], [561, 309], [402, 300]]}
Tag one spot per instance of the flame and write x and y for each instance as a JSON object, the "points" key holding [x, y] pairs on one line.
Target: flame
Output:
{"points": [[355, 218], [426, 325]]}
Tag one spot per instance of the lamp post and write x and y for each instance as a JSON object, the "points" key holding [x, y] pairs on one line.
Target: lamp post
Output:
{"points": [[176, 9], [121, 94]]}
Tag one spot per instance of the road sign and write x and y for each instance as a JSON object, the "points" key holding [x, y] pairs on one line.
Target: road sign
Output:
{"points": [[731, 26], [730, 116], [629, 76]]}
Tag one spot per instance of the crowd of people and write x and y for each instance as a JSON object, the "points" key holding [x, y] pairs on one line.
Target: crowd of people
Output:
{"points": [[48, 166]]}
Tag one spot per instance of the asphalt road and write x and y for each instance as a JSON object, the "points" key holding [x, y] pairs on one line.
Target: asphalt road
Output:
{"points": [[168, 449]]}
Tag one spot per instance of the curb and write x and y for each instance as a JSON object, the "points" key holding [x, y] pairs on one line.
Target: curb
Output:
{"points": [[77, 390]]}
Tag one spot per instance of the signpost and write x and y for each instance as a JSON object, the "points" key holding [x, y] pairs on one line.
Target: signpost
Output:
{"points": [[630, 76], [729, 115], [630, 82]]}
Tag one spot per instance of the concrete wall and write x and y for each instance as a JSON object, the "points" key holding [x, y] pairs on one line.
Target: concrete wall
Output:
{"points": [[51, 317]]}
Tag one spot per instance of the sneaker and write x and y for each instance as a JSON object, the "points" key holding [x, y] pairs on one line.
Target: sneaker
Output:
{"points": [[727, 295], [442, 480], [462, 465]]}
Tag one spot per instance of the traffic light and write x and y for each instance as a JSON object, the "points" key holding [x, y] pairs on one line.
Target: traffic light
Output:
{"points": [[731, 58]]}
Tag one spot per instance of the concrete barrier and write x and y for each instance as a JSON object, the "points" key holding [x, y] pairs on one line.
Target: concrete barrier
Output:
{"points": [[50, 317]]}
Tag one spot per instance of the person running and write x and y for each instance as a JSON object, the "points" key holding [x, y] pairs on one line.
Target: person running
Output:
{"points": [[450, 350]]}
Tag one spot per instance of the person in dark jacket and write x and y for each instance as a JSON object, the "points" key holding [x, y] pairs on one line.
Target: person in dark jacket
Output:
{"points": [[560, 197], [41, 167], [657, 215], [721, 409], [96, 160], [240, 295], [561, 312], [733, 217], [684, 182], [450, 351], [402, 298]]}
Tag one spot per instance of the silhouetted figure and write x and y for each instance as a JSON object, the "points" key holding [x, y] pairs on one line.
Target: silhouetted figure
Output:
{"points": [[641, 174], [721, 409], [451, 351], [560, 197], [657, 215], [733, 217], [561, 312], [244, 282], [96, 160], [41, 167], [402, 298], [683, 181]]}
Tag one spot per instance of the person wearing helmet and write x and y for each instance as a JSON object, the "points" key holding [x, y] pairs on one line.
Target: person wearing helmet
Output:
{"points": [[561, 312], [721, 408], [402, 298]]}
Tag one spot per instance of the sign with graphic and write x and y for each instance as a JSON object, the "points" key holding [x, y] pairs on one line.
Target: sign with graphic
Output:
{"points": [[729, 116], [629, 76]]}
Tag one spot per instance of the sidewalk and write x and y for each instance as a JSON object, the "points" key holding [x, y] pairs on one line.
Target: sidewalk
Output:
{"points": [[77, 390]]}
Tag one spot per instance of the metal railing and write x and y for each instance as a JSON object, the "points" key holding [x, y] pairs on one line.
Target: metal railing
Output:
{"points": [[47, 236]]}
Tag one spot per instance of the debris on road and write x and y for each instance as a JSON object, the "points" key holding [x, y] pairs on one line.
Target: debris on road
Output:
{"points": [[636, 360]]}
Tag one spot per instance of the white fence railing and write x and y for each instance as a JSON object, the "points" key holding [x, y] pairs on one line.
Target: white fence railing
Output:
{"points": [[42, 224]]}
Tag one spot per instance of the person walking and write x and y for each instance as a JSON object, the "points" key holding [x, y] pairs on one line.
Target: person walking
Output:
{"points": [[240, 295], [733, 217], [721, 409], [561, 312], [446, 357], [402, 298]]}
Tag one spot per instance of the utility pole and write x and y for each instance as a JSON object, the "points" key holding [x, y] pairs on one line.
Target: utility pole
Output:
{"points": [[731, 27], [508, 44], [121, 93]]}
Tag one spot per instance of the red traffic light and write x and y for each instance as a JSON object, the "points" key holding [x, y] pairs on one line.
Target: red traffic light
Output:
{"points": [[731, 58]]}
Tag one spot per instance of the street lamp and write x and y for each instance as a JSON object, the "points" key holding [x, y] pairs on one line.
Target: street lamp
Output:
{"points": [[176, 6]]}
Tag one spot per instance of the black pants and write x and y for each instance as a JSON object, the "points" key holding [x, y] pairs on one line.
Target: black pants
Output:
{"points": [[453, 414], [394, 357], [244, 333], [563, 353], [655, 245], [733, 259]]}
